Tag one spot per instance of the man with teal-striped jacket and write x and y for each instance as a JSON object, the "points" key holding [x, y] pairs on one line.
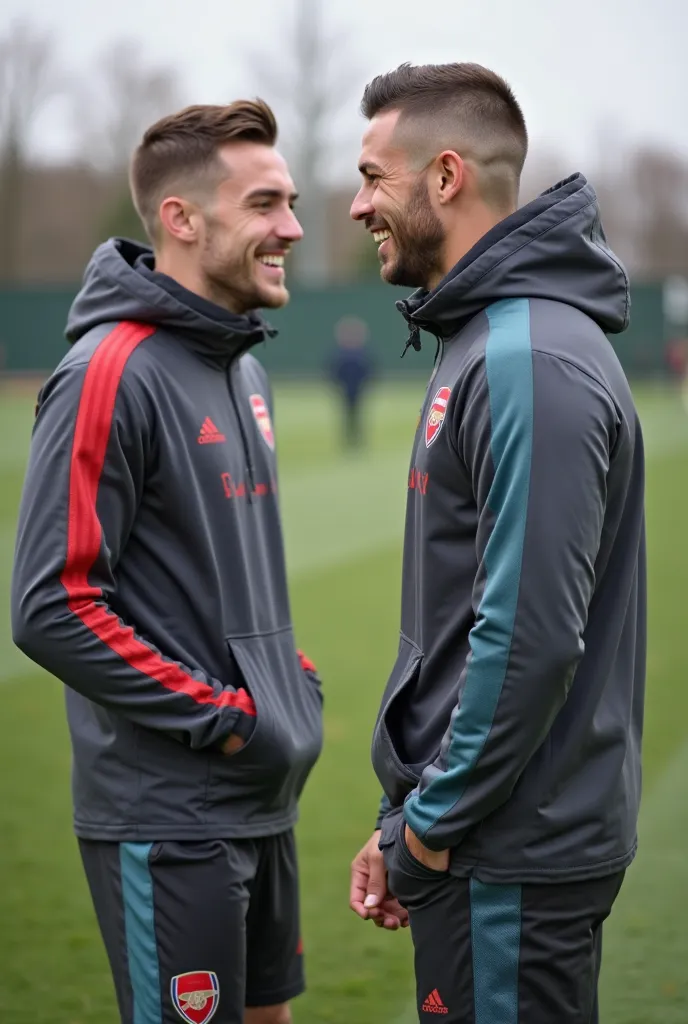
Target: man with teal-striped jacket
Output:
{"points": [[508, 743]]}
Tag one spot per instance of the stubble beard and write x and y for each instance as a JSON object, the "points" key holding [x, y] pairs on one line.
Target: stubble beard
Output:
{"points": [[419, 241]]}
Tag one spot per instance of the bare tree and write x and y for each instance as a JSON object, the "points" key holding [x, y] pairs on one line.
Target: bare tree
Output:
{"points": [[28, 80], [643, 198], [129, 95], [308, 82]]}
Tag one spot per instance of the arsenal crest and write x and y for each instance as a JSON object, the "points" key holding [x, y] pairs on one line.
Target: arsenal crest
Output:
{"points": [[435, 419], [262, 416], [196, 995]]}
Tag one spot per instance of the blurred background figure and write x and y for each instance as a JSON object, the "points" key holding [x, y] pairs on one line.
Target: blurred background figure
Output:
{"points": [[351, 369]]}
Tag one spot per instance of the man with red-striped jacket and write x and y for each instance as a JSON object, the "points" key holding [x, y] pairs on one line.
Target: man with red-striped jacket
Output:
{"points": [[150, 578]]}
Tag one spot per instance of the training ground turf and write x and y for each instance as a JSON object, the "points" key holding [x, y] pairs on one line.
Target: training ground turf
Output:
{"points": [[343, 518]]}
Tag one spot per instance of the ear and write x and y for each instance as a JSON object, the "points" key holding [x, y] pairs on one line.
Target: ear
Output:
{"points": [[179, 218], [450, 175]]}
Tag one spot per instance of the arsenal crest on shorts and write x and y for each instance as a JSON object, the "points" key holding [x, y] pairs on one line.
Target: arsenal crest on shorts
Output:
{"points": [[435, 419], [196, 995], [260, 411]]}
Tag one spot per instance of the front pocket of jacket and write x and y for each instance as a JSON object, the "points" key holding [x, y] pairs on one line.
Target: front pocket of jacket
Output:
{"points": [[409, 879], [396, 777], [411, 864], [287, 736]]}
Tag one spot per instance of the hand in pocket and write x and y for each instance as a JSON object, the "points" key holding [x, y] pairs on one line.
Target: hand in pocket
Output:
{"points": [[232, 744], [435, 860]]}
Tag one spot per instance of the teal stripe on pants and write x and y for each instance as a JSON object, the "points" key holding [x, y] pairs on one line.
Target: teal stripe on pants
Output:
{"points": [[496, 941], [139, 926]]}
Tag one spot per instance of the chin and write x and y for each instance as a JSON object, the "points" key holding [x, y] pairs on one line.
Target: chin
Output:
{"points": [[265, 298], [400, 276], [273, 298], [387, 271]]}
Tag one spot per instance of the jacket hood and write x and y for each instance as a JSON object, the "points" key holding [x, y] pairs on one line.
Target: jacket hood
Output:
{"points": [[552, 248], [119, 284]]}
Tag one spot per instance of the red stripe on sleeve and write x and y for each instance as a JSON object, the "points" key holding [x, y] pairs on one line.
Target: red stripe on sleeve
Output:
{"points": [[84, 533], [306, 663]]}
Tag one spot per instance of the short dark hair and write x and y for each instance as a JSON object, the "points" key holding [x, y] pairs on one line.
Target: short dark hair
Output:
{"points": [[182, 149], [464, 103]]}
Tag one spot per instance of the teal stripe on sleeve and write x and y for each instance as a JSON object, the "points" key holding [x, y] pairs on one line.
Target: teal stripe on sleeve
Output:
{"points": [[509, 370], [139, 926], [496, 945]]}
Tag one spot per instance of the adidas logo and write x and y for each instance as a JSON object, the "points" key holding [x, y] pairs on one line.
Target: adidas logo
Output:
{"points": [[210, 434], [434, 1004]]}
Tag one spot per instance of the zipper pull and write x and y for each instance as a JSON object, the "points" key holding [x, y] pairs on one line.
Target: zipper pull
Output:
{"points": [[438, 358], [413, 339]]}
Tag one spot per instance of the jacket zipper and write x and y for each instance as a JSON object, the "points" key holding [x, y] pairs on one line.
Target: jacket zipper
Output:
{"points": [[439, 352], [244, 437]]}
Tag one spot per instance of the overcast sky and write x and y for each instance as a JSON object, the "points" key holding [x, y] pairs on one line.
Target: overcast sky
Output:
{"points": [[592, 76]]}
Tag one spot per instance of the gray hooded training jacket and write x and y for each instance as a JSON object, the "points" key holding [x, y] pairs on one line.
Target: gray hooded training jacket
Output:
{"points": [[510, 729], [149, 573]]}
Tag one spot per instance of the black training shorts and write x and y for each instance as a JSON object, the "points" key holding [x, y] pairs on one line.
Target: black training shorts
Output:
{"points": [[198, 930]]}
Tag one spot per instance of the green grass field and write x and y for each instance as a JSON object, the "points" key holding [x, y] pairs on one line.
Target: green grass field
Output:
{"points": [[343, 518]]}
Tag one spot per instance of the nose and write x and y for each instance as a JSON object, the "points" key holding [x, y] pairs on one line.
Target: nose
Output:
{"points": [[362, 206], [291, 230]]}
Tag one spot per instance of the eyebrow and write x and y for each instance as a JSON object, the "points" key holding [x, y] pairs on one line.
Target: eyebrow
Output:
{"points": [[368, 168], [271, 193]]}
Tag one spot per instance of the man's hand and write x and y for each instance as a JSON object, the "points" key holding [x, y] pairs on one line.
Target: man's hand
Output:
{"points": [[232, 744], [435, 860], [369, 896]]}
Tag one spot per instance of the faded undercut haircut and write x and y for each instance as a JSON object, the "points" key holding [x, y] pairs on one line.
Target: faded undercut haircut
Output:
{"points": [[461, 107], [180, 153]]}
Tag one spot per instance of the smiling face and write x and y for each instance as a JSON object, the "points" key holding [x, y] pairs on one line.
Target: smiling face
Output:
{"points": [[227, 236], [248, 229], [394, 204]]}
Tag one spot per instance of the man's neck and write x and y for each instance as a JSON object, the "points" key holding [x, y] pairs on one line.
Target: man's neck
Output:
{"points": [[464, 237], [191, 279]]}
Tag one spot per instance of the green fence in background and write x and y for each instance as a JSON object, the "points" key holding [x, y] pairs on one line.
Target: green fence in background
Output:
{"points": [[32, 324]]}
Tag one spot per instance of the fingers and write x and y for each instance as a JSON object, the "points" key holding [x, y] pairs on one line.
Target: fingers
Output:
{"points": [[389, 915], [368, 881], [376, 889], [232, 744], [403, 917], [392, 910], [368, 895], [389, 923], [359, 887]]}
